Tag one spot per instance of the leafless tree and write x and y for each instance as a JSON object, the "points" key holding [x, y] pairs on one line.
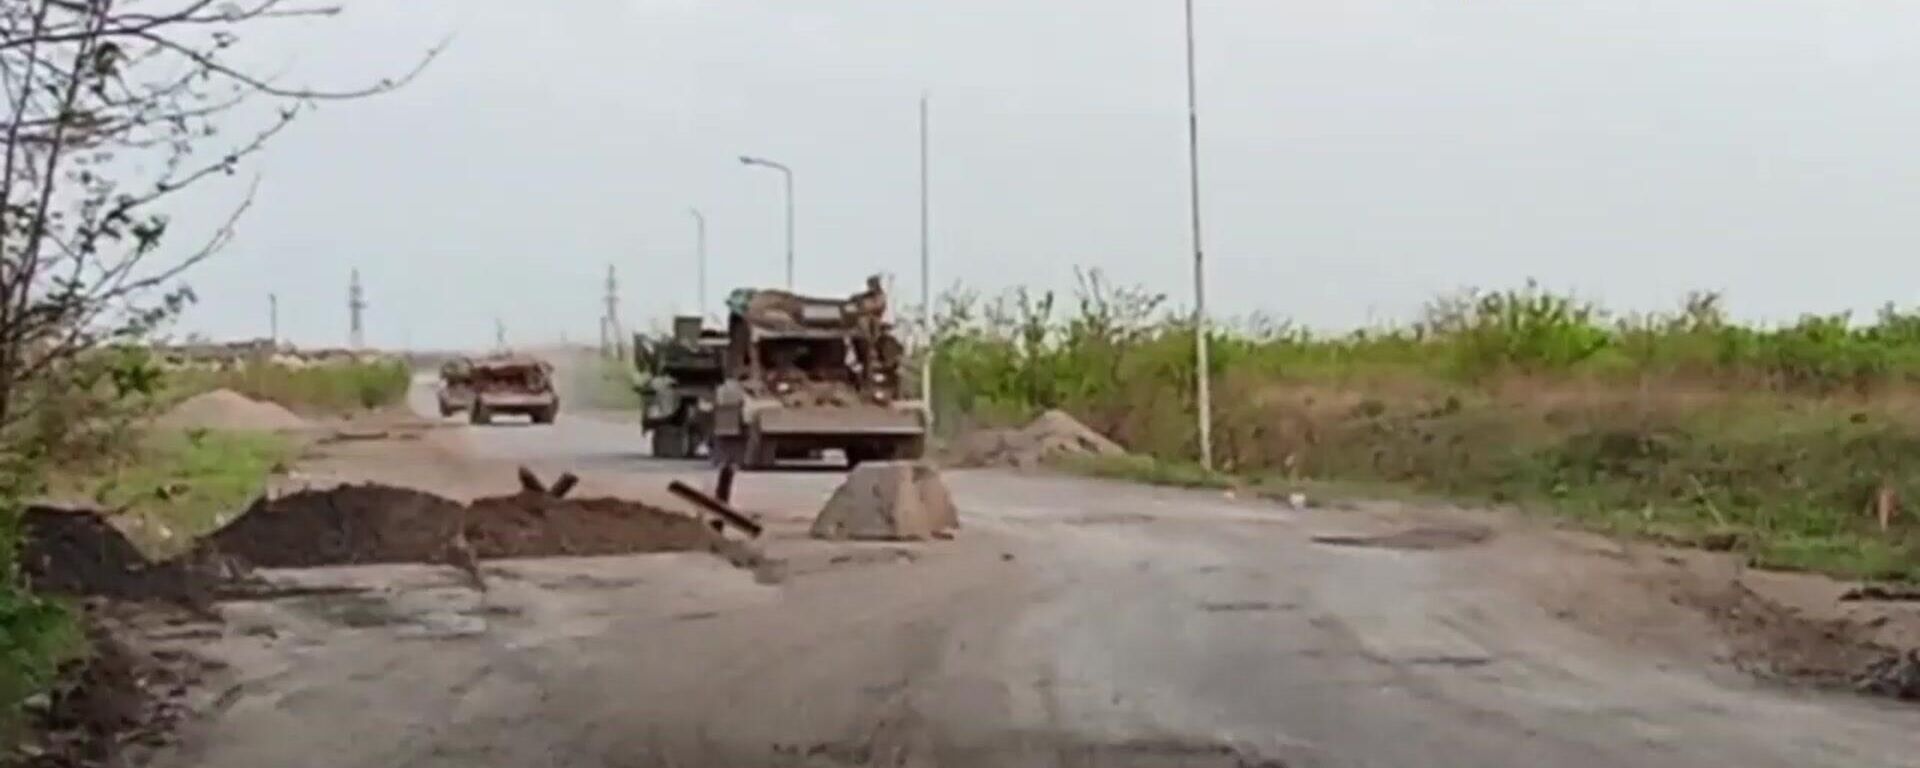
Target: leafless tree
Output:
{"points": [[111, 108]]}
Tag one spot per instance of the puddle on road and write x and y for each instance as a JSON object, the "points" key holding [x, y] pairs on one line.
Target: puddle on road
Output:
{"points": [[351, 610], [376, 611]]}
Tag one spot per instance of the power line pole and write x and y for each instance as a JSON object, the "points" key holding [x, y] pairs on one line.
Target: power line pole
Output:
{"points": [[612, 318], [499, 335], [273, 320], [356, 307], [926, 270], [1203, 386]]}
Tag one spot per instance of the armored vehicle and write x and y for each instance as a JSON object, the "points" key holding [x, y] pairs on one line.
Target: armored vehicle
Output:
{"points": [[678, 376], [513, 384], [804, 375]]}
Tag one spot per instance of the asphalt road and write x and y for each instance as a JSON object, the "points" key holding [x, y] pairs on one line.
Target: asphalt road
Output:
{"points": [[1072, 623]]}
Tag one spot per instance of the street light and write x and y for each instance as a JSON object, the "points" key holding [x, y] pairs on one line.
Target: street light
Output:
{"points": [[1203, 387], [926, 269], [788, 173], [700, 254]]}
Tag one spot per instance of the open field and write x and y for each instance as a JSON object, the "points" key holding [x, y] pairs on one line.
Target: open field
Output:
{"points": [[329, 388], [1794, 444]]}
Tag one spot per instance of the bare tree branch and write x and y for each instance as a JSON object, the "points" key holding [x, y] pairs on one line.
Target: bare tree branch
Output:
{"points": [[111, 107], [134, 24], [385, 84]]}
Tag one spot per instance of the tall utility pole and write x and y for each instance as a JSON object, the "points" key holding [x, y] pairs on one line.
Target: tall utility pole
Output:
{"points": [[1203, 387], [499, 335], [612, 319], [788, 173], [926, 270], [356, 307], [700, 257], [273, 320]]}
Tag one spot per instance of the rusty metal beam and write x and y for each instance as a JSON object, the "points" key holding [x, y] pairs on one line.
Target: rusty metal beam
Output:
{"points": [[719, 508]]}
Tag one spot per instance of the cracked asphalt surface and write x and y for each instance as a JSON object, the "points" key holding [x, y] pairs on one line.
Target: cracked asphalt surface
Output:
{"points": [[1071, 623]]}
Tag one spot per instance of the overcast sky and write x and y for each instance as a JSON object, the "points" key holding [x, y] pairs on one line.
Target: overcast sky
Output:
{"points": [[1359, 156]]}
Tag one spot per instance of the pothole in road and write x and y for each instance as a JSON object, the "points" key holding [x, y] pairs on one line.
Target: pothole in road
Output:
{"points": [[1458, 662], [1246, 606], [1104, 755], [1051, 750], [1155, 753], [350, 610], [1117, 518], [1423, 538]]}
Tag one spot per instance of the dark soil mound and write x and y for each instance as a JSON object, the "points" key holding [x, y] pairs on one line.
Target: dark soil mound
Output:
{"points": [[382, 524], [77, 552], [1774, 642], [348, 525], [1896, 675], [534, 525], [112, 707]]}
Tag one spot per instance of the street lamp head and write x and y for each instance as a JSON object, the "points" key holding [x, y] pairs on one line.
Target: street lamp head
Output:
{"points": [[764, 163]]}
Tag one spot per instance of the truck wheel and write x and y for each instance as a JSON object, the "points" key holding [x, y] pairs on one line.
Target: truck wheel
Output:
{"points": [[480, 415], [545, 415], [669, 442]]}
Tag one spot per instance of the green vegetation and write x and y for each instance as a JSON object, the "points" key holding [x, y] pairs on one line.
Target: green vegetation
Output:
{"points": [[73, 414], [175, 485], [36, 634], [1685, 426], [333, 387]]}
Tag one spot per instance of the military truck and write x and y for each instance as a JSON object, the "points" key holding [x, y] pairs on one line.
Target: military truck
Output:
{"points": [[677, 379], [455, 392], [512, 384], [804, 375]]}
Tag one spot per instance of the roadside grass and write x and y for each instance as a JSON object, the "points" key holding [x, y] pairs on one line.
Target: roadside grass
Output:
{"points": [[166, 488], [177, 485], [37, 636], [1791, 486], [330, 388], [1782, 442]]}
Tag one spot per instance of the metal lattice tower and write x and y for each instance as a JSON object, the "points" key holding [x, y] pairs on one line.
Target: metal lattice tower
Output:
{"points": [[356, 309], [612, 318]]}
